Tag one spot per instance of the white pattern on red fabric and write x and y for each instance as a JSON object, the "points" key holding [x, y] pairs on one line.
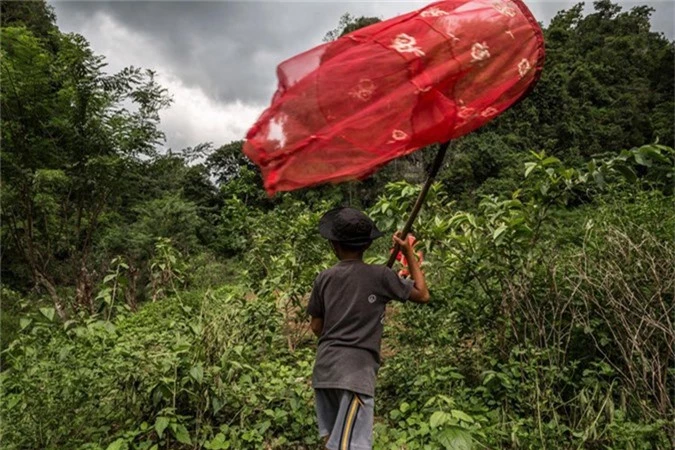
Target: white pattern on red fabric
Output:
{"points": [[466, 112], [404, 43], [434, 12], [276, 131], [363, 90], [448, 25], [489, 112], [399, 135], [504, 8], [524, 67], [479, 51]]}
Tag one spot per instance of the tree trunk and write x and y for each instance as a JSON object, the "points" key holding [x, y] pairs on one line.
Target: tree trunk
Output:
{"points": [[84, 290], [130, 294], [59, 305]]}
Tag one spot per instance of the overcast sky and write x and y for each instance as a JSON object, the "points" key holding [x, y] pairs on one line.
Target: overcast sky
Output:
{"points": [[218, 59]]}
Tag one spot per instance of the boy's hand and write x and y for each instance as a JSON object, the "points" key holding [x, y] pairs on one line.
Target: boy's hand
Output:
{"points": [[405, 245], [420, 292]]}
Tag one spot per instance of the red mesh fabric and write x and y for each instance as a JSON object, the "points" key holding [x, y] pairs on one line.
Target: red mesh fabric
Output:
{"points": [[345, 108]]}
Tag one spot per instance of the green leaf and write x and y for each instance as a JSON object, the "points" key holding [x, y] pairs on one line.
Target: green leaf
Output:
{"points": [[48, 313], [109, 277], [197, 373], [439, 418], [538, 156], [104, 294], [13, 401], [217, 404], [119, 444], [454, 438], [218, 443], [653, 153], [624, 155], [568, 174], [160, 425], [63, 353], [24, 323], [109, 327], [550, 160], [182, 435], [499, 231], [448, 400], [599, 178], [461, 415], [627, 172], [641, 159], [458, 219], [196, 328], [529, 167]]}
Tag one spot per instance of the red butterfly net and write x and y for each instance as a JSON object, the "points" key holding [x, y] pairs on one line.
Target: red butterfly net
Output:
{"points": [[347, 107]]}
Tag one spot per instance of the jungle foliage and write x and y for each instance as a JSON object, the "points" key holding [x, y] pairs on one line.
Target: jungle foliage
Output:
{"points": [[156, 300]]}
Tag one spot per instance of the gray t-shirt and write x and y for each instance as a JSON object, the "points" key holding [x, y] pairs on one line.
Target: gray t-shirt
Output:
{"points": [[351, 298]]}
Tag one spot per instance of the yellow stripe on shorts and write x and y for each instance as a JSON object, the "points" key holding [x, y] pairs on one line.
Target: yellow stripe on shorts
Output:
{"points": [[349, 422]]}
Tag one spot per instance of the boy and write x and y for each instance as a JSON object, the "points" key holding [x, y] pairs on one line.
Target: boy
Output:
{"points": [[347, 307]]}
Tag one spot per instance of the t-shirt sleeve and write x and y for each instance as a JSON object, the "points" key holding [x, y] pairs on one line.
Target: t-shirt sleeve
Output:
{"points": [[315, 307], [395, 287]]}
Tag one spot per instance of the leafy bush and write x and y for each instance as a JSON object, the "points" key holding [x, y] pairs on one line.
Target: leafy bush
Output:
{"points": [[531, 339], [551, 274], [179, 371]]}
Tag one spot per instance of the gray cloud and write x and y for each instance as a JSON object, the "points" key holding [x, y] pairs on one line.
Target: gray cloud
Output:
{"points": [[224, 54], [230, 49]]}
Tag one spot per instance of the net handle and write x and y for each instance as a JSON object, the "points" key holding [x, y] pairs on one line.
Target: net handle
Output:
{"points": [[433, 170]]}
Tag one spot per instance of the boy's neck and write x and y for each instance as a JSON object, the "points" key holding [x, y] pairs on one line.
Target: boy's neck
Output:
{"points": [[350, 256], [351, 259]]}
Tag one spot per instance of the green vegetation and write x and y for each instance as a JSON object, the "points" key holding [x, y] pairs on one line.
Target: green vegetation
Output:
{"points": [[145, 307]]}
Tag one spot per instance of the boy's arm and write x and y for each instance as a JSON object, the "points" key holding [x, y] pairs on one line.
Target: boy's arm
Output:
{"points": [[316, 324], [315, 309], [420, 292]]}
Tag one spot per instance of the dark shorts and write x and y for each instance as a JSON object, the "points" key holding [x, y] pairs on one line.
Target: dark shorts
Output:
{"points": [[345, 416]]}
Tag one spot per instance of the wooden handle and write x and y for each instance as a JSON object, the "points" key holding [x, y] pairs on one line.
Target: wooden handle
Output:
{"points": [[433, 170]]}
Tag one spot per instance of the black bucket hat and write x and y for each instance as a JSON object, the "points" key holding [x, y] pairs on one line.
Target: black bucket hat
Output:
{"points": [[348, 225]]}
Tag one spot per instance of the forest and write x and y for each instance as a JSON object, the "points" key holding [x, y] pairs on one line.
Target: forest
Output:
{"points": [[156, 299]]}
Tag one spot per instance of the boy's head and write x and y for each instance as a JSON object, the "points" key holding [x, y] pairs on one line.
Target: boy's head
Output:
{"points": [[350, 231]]}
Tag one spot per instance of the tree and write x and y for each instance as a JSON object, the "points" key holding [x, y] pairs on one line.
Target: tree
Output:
{"points": [[607, 85], [68, 143], [347, 24], [37, 16]]}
